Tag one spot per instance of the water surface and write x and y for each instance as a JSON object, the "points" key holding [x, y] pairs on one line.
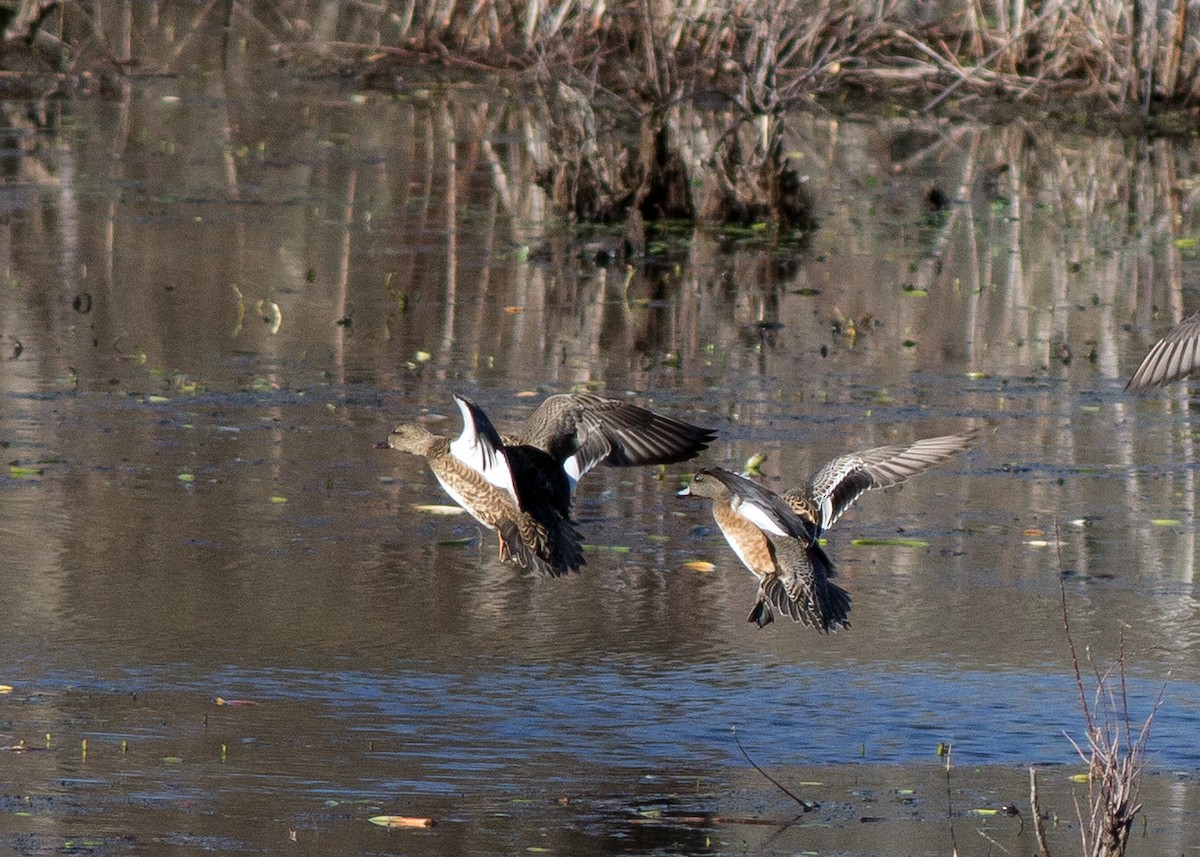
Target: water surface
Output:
{"points": [[217, 298]]}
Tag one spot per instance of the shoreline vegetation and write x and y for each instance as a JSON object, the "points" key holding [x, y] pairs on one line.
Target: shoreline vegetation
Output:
{"points": [[673, 111]]}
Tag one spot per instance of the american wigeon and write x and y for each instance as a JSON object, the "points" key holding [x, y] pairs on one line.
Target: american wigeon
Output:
{"points": [[775, 535], [518, 490], [779, 547], [1175, 355]]}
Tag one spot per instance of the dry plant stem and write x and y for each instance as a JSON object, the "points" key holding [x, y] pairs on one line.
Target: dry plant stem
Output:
{"points": [[983, 63], [1039, 829], [950, 804], [1114, 757]]}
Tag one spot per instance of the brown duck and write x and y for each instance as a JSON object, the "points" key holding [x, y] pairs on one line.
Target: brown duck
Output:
{"points": [[751, 519], [780, 549], [517, 490]]}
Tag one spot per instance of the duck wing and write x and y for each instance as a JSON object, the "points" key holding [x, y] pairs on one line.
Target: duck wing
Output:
{"points": [[1172, 357], [479, 447], [582, 430], [843, 480]]}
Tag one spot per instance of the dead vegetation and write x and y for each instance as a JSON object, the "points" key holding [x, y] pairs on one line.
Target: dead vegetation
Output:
{"points": [[621, 78], [1114, 753]]}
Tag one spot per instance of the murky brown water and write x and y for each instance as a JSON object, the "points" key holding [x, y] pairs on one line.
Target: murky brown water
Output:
{"points": [[217, 295]]}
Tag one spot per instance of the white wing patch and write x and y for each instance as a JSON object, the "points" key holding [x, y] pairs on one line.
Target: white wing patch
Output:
{"points": [[477, 452], [760, 517], [572, 468]]}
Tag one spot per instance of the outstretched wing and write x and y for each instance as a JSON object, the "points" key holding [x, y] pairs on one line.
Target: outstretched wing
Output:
{"points": [[583, 430], [1172, 357], [844, 479], [480, 448]]}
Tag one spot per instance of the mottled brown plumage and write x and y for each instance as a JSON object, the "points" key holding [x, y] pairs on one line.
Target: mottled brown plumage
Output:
{"points": [[778, 547], [518, 493]]}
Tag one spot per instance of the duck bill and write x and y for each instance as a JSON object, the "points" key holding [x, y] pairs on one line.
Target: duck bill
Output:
{"points": [[687, 490]]}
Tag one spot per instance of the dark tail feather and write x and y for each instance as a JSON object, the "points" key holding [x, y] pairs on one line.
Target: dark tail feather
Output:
{"points": [[566, 550], [831, 602], [819, 603], [762, 614]]}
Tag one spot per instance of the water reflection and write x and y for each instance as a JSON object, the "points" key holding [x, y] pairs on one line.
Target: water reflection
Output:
{"points": [[216, 301]]}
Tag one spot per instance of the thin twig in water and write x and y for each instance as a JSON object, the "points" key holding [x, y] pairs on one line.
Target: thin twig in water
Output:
{"points": [[950, 803], [1039, 829], [805, 805]]}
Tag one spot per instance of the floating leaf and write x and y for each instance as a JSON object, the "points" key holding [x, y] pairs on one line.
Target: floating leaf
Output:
{"points": [[455, 543], [1038, 543], [609, 548], [400, 821], [6, 688], [223, 701], [186, 477], [438, 509], [276, 498], [985, 811], [1166, 522], [514, 310], [975, 376], [20, 471], [900, 543], [1079, 778], [1033, 531], [699, 565], [422, 356]]}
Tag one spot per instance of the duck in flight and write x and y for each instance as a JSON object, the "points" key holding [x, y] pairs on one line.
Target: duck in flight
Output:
{"points": [[518, 491], [775, 535], [779, 547], [526, 480]]}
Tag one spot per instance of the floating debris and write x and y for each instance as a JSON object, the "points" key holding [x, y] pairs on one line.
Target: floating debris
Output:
{"points": [[899, 543], [439, 509], [401, 821]]}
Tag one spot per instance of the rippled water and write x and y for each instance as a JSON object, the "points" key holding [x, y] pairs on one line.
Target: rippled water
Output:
{"points": [[216, 302]]}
